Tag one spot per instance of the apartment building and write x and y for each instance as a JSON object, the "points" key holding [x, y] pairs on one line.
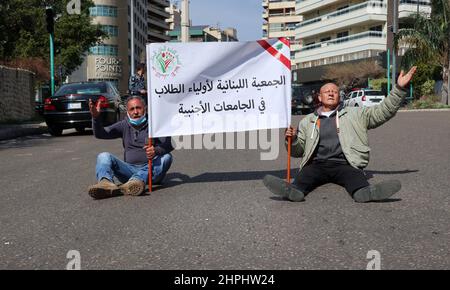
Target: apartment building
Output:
{"points": [[280, 20], [174, 19], [205, 33], [157, 16], [111, 59], [336, 31]]}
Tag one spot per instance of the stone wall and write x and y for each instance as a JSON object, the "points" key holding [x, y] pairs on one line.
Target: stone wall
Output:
{"points": [[16, 94]]}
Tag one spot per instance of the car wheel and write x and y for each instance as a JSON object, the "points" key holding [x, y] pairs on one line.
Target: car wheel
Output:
{"points": [[356, 105], [80, 129], [55, 130]]}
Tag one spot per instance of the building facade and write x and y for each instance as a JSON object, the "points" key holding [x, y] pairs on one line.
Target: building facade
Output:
{"points": [[111, 59], [174, 19], [205, 33], [336, 31], [280, 20], [157, 17]]}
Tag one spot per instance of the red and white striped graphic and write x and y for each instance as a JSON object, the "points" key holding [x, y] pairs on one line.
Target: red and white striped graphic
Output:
{"points": [[280, 49]]}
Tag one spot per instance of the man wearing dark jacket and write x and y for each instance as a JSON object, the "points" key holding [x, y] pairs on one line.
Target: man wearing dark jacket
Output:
{"points": [[133, 170], [136, 84]]}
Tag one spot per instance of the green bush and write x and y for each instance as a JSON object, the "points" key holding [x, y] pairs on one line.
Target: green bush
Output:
{"points": [[427, 88], [377, 84], [429, 102]]}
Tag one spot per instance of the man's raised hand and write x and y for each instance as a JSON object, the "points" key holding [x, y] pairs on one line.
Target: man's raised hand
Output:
{"points": [[404, 79], [94, 109]]}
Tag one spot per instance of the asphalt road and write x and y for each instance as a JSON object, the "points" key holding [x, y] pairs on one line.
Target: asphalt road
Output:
{"points": [[215, 213]]}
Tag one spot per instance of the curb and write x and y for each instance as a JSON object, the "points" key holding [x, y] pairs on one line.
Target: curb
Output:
{"points": [[425, 110], [16, 131]]}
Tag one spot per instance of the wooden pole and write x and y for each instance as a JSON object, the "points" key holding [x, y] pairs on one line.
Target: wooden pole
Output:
{"points": [[150, 173], [288, 178]]}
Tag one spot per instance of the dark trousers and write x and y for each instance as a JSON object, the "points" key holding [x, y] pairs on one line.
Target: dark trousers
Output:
{"points": [[318, 173]]}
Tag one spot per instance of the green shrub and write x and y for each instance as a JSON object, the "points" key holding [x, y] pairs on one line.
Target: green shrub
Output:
{"points": [[427, 88], [428, 102]]}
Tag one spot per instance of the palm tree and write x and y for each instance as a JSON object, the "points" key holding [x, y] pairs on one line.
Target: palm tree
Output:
{"points": [[428, 39]]}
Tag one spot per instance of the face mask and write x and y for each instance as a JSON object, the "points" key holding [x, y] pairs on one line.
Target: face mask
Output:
{"points": [[137, 122]]}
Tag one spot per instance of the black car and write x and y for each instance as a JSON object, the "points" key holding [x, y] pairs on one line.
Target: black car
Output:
{"points": [[69, 107]]}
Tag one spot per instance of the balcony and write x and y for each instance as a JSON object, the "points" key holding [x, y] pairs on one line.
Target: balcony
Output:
{"points": [[281, 32], [307, 6], [158, 23], [368, 40], [408, 7], [159, 11], [280, 4], [284, 17], [363, 13]]}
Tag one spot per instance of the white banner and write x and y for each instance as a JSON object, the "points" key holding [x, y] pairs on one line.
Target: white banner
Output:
{"points": [[200, 88]]}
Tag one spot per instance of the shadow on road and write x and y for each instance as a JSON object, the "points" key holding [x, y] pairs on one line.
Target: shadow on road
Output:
{"points": [[35, 140], [370, 173]]}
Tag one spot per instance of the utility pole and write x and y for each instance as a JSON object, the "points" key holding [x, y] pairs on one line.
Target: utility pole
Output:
{"points": [[394, 32], [50, 19], [132, 38], [185, 21]]}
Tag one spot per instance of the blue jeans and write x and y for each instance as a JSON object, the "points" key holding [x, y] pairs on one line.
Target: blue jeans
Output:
{"points": [[109, 166]]}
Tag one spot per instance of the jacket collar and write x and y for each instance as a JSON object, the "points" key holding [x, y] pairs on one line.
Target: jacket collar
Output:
{"points": [[339, 108]]}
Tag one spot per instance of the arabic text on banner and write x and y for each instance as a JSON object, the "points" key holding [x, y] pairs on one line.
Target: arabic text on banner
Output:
{"points": [[200, 88]]}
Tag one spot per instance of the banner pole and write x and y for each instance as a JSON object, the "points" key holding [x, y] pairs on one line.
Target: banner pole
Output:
{"points": [[150, 173], [288, 178]]}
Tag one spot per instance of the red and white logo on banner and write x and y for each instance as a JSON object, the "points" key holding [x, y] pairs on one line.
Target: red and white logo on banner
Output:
{"points": [[276, 50]]}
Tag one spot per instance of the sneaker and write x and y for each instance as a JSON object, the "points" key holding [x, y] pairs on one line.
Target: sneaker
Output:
{"points": [[377, 192], [282, 188], [133, 187], [104, 189]]}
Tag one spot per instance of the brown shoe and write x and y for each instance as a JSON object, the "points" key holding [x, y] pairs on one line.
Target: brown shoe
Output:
{"points": [[104, 189], [133, 187]]}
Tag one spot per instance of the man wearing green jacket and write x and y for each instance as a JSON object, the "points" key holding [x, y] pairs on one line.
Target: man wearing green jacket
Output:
{"points": [[333, 144]]}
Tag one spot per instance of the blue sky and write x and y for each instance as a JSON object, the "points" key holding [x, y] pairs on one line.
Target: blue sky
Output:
{"points": [[244, 15]]}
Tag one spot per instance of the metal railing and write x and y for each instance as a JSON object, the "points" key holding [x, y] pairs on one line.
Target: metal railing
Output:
{"points": [[344, 11], [366, 34]]}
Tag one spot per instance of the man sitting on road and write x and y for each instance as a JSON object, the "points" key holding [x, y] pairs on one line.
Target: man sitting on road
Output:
{"points": [[333, 142], [133, 171]]}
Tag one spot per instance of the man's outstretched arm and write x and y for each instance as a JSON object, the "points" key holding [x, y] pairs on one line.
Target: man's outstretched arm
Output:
{"points": [[377, 115], [111, 132]]}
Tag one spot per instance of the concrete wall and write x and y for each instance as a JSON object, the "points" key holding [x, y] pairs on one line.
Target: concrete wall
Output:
{"points": [[16, 94]]}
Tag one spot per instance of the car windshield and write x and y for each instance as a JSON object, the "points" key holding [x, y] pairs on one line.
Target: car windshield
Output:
{"points": [[81, 89], [374, 93]]}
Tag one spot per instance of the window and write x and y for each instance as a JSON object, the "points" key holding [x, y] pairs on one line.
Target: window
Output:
{"points": [[342, 34], [111, 30], [104, 49], [103, 10], [376, 28]]}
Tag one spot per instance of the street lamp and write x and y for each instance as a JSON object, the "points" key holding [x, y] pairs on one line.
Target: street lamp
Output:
{"points": [[132, 37], [50, 19], [394, 50]]}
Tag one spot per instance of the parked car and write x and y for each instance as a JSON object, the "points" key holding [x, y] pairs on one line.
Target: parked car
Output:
{"points": [[364, 98], [69, 106], [302, 100]]}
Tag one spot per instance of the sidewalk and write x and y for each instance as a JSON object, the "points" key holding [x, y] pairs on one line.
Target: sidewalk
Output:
{"points": [[11, 131]]}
